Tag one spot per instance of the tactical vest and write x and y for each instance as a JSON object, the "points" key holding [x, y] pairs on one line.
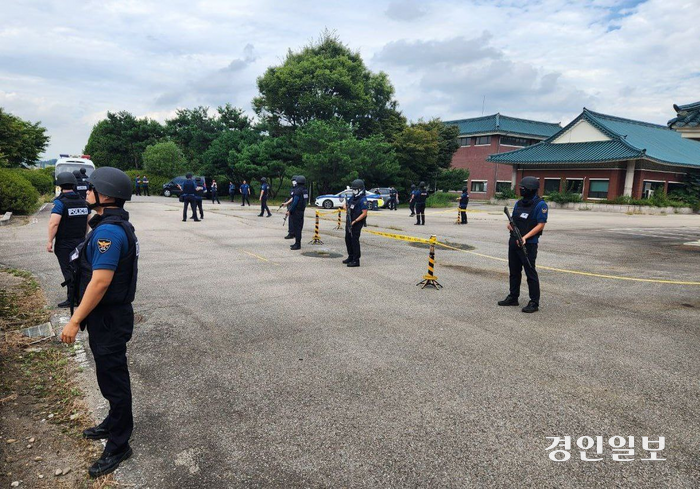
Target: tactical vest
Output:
{"points": [[81, 186], [524, 215], [303, 197], [122, 289], [74, 218], [421, 197], [354, 209]]}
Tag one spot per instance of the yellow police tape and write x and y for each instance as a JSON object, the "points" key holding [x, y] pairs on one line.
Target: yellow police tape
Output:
{"points": [[412, 239]]}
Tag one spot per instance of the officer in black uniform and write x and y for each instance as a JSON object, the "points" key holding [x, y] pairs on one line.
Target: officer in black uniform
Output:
{"points": [[80, 182], [421, 197], [412, 200], [199, 197], [68, 225], [187, 194], [144, 184], [264, 194], [106, 269], [290, 234], [463, 203], [296, 210], [392, 199], [355, 219], [530, 216]]}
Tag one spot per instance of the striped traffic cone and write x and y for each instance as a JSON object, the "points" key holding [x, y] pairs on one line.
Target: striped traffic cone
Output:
{"points": [[317, 237], [340, 223], [430, 279]]}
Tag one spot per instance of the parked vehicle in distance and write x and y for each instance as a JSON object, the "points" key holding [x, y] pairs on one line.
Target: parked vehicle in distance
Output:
{"points": [[171, 188], [384, 192], [330, 201], [70, 164]]}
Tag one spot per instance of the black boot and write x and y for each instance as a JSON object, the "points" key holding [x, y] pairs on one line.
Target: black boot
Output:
{"points": [[289, 236], [295, 247], [422, 218], [347, 260], [532, 306], [65, 303], [96, 433], [509, 301], [109, 462], [354, 264]]}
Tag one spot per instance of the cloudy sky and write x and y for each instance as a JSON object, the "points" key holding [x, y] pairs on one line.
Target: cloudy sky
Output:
{"points": [[66, 63]]}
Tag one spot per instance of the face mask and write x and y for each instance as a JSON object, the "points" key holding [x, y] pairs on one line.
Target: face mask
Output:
{"points": [[355, 192], [294, 183], [526, 193]]}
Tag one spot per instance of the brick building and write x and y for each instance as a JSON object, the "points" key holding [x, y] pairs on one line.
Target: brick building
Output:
{"points": [[603, 157], [480, 137]]}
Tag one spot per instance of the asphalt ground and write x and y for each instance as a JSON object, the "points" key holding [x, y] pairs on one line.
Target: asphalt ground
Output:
{"points": [[256, 366]]}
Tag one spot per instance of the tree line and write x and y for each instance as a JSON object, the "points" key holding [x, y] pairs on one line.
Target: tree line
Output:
{"points": [[321, 112]]}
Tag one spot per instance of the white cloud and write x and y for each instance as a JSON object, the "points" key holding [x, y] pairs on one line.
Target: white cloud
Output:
{"points": [[68, 62]]}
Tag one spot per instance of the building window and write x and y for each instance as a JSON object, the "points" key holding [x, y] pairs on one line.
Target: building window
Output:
{"points": [[478, 186], [503, 186], [482, 140], [675, 187], [651, 187], [575, 186], [511, 141], [463, 141], [598, 189], [551, 185]]}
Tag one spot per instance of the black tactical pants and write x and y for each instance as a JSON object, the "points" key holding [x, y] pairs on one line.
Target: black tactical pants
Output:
{"points": [[109, 330], [463, 214], [297, 219], [264, 207], [420, 213], [215, 196], [188, 201], [145, 190], [63, 248], [516, 263], [412, 206], [244, 199], [352, 241], [199, 206]]}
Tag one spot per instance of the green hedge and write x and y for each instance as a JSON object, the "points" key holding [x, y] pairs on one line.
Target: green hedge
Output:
{"points": [[440, 199], [657, 200], [17, 194], [39, 180], [563, 197]]}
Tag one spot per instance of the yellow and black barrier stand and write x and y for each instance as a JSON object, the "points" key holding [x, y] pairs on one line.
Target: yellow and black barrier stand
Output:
{"points": [[340, 222], [459, 216], [430, 279], [317, 237]]}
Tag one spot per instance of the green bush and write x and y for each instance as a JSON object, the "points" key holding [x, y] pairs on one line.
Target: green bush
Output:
{"points": [[507, 194], [563, 197], [40, 181], [163, 159], [49, 171], [440, 199], [16, 193], [659, 199]]}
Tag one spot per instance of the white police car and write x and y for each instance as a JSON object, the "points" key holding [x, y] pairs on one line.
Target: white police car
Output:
{"points": [[330, 201]]}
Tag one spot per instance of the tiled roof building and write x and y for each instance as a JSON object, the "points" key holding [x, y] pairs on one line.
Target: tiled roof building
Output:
{"points": [[687, 120]]}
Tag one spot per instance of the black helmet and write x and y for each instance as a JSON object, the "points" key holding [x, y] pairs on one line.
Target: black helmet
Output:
{"points": [[413, 185], [263, 179], [421, 185], [357, 184], [464, 189], [66, 178], [530, 183], [111, 182], [301, 180], [83, 171], [76, 174], [197, 179], [189, 175]]}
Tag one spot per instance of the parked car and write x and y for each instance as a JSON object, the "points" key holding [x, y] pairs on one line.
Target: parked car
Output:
{"points": [[171, 188], [330, 201], [384, 192]]}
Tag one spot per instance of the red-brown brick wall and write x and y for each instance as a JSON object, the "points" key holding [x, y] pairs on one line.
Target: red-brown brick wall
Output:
{"points": [[641, 175]]}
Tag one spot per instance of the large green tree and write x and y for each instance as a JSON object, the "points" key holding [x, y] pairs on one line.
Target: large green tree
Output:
{"points": [[325, 81], [120, 140], [164, 159], [21, 142], [333, 156]]}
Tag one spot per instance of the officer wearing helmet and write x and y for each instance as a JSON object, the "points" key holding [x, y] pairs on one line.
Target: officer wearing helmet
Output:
{"points": [[463, 203], [412, 200], [187, 195], [67, 225], [80, 182], [264, 194], [355, 219], [290, 234], [296, 209], [421, 197], [105, 271], [530, 216], [199, 190]]}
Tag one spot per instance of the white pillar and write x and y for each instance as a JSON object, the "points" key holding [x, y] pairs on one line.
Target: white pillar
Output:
{"points": [[513, 176], [629, 178]]}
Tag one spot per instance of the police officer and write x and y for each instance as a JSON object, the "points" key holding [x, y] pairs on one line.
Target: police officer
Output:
{"points": [[214, 191], [530, 216], [412, 200], [137, 184], [144, 184], [421, 197], [287, 203], [245, 192], [392, 199], [106, 269], [67, 224], [199, 191], [355, 219], [296, 210], [264, 194], [81, 183], [188, 191], [463, 203], [231, 189]]}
